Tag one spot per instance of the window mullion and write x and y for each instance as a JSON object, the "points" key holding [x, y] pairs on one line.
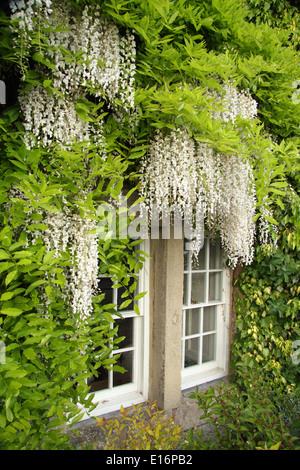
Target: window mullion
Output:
{"points": [[207, 246], [183, 340]]}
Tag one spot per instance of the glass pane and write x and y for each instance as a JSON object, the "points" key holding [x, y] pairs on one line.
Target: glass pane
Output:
{"points": [[209, 318], [198, 263], [186, 259], [215, 254], [126, 361], [214, 286], [100, 382], [185, 290], [191, 352], [209, 348], [198, 288], [105, 285], [125, 329], [192, 321]]}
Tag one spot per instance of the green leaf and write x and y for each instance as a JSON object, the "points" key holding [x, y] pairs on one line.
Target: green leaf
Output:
{"points": [[11, 294], [48, 256], [11, 312], [2, 421], [37, 226], [271, 220], [125, 304], [23, 254], [40, 58], [10, 277], [139, 296], [34, 285], [265, 352], [136, 309], [30, 354], [4, 255], [9, 414], [17, 373]]}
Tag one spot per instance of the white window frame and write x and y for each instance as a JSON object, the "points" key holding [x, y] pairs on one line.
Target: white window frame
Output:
{"points": [[111, 399], [207, 371]]}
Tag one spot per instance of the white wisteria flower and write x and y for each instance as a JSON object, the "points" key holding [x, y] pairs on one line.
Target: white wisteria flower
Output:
{"points": [[70, 232], [88, 56], [194, 178], [235, 103]]}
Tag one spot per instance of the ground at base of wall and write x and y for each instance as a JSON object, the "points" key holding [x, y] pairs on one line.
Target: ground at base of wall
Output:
{"points": [[187, 415]]}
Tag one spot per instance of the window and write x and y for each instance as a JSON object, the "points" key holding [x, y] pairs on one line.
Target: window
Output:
{"points": [[127, 327], [112, 387], [205, 313]]}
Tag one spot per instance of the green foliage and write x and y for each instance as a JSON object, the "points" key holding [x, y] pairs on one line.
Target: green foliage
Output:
{"points": [[184, 42], [184, 47], [242, 418], [282, 13], [145, 428], [50, 352], [268, 303], [49, 358]]}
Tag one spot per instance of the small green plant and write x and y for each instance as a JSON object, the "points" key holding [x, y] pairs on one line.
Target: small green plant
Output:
{"points": [[144, 429], [243, 419], [274, 447]]}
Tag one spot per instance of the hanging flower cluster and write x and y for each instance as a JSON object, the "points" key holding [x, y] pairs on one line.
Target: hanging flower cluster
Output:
{"points": [[235, 103], [226, 187], [88, 56], [178, 173], [169, 173], [268, 232], [85, 55], [69, 232], [49, 119]]}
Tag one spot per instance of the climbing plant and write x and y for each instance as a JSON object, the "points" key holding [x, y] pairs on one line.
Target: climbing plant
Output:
{"points": [[103, 91], [57, 169]]}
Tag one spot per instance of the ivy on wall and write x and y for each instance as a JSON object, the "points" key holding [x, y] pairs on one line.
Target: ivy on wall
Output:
{"points": [[267, 307]]}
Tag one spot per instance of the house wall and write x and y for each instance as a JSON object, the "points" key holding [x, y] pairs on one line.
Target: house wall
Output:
{"points": [[166, 294]]}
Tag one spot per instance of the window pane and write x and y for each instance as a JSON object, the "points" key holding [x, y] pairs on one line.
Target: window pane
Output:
{"points": [[185, 290], [198, 264], [125, 329], [105, 285], [100, 382], [209, 348], [209, 318], [191, 352], [198, 288], [186, 259], [192, 321], [214, 286], [215, 254], [126, 361]]}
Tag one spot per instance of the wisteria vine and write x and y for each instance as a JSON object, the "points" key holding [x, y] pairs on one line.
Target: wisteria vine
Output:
{"points": [[90, 56], [85, 55], [179, 171]]}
